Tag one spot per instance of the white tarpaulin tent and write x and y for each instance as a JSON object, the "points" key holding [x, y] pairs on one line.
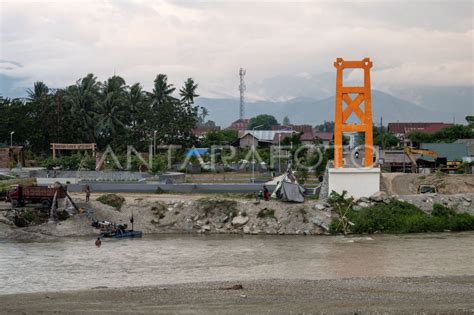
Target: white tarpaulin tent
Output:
{"points": [[288, 188]]}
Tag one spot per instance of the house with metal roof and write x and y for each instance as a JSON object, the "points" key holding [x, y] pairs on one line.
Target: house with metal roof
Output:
{"points": [[248, 138], [395, 160]]}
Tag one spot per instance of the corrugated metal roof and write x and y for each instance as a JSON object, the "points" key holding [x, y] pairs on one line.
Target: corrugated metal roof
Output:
{"points": [[469, 145], [265, 135], [395, 156], [450, 151]]}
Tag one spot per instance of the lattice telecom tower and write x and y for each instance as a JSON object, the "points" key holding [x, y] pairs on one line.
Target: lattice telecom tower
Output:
{"points": [[242, 91], [362, 94]]}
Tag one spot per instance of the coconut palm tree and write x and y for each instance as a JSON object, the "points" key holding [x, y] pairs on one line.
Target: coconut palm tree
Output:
{"points": [[112, 109], [39, 93], [137, 104], [82, 99], [188, 91], [161, 91]]}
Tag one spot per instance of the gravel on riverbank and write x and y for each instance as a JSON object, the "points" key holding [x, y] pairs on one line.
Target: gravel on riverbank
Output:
{"points": [[215, 214], [421, 295]]}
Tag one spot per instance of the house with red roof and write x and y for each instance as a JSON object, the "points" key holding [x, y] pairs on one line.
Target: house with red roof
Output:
{"points": [[240, 124], [401, 130], [325, 138]]}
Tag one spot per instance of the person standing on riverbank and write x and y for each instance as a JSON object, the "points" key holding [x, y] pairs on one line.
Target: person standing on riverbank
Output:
{"points": [[266, 193], [98, 242], [88, 193]]}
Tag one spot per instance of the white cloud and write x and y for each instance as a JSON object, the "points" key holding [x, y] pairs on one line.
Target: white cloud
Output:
{"points": [[60, 41]]}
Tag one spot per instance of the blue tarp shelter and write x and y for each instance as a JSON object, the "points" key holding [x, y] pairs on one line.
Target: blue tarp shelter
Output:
{"points": [[197, 152]]}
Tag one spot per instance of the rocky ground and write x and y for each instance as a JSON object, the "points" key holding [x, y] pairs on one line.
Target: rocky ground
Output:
{"points": [[424, 295], [213, 214], [407, 184], [187, 214], [459, 202]]}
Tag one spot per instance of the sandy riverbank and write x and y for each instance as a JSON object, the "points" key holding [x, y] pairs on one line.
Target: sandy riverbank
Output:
{"points": [[357, 295], [163, 214]]}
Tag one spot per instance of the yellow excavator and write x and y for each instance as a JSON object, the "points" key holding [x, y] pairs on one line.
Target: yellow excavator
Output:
{"points": [[410, 152]]}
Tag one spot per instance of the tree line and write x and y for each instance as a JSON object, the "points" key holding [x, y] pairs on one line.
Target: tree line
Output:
{"points": [[107, 113]]}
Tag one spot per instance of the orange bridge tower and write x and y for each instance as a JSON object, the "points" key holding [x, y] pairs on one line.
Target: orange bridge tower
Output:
{"points": [[361, 95]]}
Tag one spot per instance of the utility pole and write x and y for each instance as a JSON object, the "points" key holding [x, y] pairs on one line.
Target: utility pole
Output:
{"points": [[242, 89], [381, 131], [253, 152], [11, 138], [279, 153], [154, 143]]}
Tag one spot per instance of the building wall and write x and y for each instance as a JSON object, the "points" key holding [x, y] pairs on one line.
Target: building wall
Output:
{"points": [[247, 141], [358, 182], [4, 157]]}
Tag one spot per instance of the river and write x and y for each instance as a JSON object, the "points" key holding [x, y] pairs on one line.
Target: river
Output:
{"points": [[70, 264]]}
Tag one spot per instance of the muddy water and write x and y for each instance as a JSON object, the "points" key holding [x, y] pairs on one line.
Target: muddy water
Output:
{"points": [[159, 260]]}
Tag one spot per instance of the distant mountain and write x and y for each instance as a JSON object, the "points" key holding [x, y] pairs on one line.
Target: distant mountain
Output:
{"points": [[306, 110], [285, 87], [446, 99]]}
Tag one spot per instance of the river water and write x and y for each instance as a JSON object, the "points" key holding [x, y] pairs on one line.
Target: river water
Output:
{"points": [[72, 264]]}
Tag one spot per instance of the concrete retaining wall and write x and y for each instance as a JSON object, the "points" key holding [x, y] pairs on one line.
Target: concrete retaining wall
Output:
{"points": [[172, 188], [91, 175]]}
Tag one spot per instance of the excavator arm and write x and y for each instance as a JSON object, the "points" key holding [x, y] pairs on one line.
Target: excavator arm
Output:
{"points": [[410, 152]]}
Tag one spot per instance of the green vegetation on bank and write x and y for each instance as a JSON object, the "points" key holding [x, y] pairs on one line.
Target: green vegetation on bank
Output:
{"points": [[208, 206], [395, 217], [73, 162], [112, 200], [6, 184]]}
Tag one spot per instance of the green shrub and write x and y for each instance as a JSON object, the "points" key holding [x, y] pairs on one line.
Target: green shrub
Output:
{"points": [[217, 206], [402, 217], [31, 217], [160, 164], [112, 200], [73, 162], [49, 163], [461, 222], [442, 211], [336, 226], [88, 163], [266, 213], [422, 223]]}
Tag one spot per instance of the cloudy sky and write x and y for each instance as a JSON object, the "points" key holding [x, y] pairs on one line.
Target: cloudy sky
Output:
{"points": [[411, 42]]}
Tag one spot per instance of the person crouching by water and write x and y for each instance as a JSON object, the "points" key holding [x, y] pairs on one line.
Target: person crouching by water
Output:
{"points": [[88, 192], [98, 242], [266, 193]]}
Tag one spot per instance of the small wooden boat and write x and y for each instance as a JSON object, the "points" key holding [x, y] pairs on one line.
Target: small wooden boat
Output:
{"points": [[119, 233], [108, 229]]}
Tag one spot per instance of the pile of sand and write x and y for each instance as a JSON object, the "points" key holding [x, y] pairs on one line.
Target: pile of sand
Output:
{"points": [[407, 184]]}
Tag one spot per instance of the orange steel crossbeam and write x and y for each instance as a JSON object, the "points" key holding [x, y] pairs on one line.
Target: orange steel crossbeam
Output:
{"points": [[341, 116]]}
